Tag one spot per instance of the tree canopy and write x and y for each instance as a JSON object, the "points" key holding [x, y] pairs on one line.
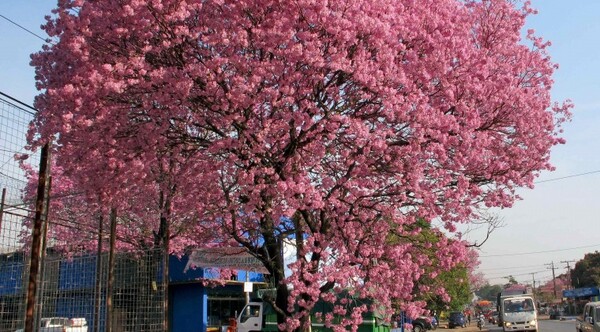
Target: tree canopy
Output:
{"points": [[489, 292], [445, 288], [586, 272], [328, 124]]}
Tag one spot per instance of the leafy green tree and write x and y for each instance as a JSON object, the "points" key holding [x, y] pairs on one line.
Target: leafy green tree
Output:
{"points": [[489, 292], [511, 281], [587, 271], [454, 282]]}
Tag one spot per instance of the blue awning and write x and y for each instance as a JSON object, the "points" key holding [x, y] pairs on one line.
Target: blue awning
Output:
{"points": [[581, 292]]}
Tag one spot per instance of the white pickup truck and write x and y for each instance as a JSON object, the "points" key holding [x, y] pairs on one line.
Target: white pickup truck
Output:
{"points": [[590, 320], [61, 324]]}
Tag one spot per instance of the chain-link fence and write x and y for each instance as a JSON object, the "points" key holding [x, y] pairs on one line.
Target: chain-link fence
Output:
{"points": [[76, 288], [14, 123], [71, 284], [14, 262]]}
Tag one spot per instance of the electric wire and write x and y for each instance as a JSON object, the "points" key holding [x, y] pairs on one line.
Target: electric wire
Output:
{"points": [[71, 224], [568, 176], [46, 40], [539, 252], [509, 268]]}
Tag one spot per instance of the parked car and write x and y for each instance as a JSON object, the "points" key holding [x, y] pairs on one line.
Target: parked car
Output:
{"points": [[588, 321], [424, 323], [62, 324], [456, 319]]}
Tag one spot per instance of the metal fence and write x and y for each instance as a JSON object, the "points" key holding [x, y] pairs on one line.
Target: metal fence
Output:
{"points": [[73, 284], [76, 288], [14, 122]]}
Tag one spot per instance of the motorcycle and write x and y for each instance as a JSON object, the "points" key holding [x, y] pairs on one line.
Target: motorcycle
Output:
{"points": [[434, 323], [480, 322]]}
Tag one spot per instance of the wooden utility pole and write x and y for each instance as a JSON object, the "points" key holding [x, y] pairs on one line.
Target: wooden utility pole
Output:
{"points": [[533, 278], [42, 272], [36, 238], [553, 277], [569, 272]]}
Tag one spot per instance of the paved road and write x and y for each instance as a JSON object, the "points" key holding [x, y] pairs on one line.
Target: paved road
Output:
{"points": [[545, 326], [557, 325]]}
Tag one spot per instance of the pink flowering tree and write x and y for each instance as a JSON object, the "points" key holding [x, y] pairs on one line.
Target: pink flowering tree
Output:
{"points": [[328, 125], [75, 217]]}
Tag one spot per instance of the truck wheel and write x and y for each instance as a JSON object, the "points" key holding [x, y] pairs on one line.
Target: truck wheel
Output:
{"points": [[417, 328]]}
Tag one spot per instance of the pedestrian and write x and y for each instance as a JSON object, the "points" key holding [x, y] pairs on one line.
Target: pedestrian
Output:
{"points": [[469, 318]]}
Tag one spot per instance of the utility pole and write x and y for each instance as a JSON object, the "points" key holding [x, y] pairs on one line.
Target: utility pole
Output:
{"points": [[533, 289], [553, 277], [569, 272], [41, 214]]}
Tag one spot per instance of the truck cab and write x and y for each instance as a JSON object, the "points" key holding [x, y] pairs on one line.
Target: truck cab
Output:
{"points": [[251, 318], [518, 313]]}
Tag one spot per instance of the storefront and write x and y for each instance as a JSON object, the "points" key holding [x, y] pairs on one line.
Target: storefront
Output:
{"points": [[578, 297], [195, 307]]}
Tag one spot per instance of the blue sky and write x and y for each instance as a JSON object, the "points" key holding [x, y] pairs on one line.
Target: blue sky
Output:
{"points": [[557, 221]]}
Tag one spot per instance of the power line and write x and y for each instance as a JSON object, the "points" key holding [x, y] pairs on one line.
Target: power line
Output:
{"points": [[46, 40], [12, 177], [514, 275], [541, 252], [541, 281], [508, 268], [568, 176], [71, 224]]}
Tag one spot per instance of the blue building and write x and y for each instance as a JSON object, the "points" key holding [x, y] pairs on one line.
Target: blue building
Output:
{"points": [[197, 308], [73, 287]]}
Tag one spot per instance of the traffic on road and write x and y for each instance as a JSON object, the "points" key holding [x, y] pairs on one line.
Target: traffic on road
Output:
{"points": [[545, 325]]}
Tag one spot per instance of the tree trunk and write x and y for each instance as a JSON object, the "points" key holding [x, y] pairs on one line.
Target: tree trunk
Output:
{"points": [[162, 241], [164, 224]]}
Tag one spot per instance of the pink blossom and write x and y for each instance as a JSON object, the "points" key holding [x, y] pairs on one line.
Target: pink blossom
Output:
{"points": [[333, 126]]}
